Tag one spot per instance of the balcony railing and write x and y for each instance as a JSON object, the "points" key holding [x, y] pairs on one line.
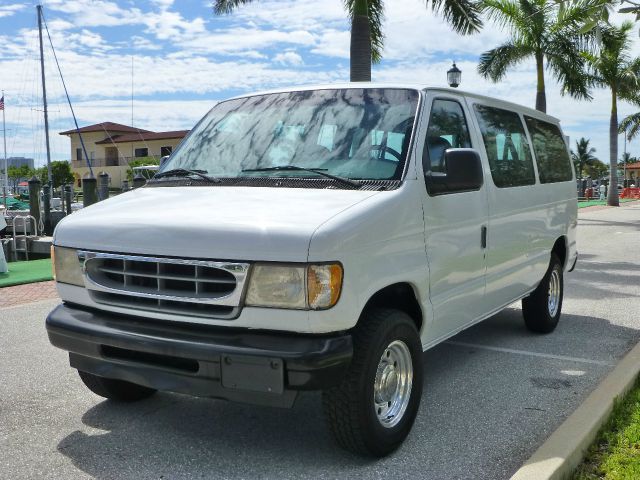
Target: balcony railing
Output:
{"points": [[110, 162]]}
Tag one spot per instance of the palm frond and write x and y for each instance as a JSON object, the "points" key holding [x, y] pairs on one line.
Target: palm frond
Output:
{"points": [[507, 14], [568, 66], [630, 126], [221, 7], [463, 15], [578, 12], [494, 63]]}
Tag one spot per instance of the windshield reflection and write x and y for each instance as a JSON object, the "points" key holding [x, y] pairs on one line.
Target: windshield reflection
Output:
{"points": [[356, 133]]}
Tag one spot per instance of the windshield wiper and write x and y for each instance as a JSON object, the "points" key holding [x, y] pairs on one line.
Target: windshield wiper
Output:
{"points": [[319, 171], [185, 172]]}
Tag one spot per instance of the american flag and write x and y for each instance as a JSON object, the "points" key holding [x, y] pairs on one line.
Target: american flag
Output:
{"points": [[2, 103]]}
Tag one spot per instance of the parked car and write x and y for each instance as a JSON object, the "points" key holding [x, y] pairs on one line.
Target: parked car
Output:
{"points": [[319, 239]]}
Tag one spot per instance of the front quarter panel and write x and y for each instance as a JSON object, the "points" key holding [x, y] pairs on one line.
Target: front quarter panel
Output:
{"points": [[379, 242]]}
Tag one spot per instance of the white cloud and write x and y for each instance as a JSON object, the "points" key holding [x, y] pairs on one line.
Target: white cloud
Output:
{"points": [[163, 3], [333, 43], [143, 43], [288, 58], [9, 10], [96, 13]]}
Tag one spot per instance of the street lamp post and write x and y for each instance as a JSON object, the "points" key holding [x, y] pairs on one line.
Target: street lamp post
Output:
{"points": [[454, 76]]}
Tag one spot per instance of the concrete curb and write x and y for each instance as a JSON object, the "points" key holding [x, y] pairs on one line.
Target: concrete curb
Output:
{"points": [[565, 448]]}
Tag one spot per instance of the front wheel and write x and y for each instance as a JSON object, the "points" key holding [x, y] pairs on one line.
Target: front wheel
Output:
{"points": [[373, 409], [541, 309], [117, 390]]}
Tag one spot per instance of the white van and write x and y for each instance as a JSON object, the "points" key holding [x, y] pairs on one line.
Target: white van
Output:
{"points": [[319, 239]]}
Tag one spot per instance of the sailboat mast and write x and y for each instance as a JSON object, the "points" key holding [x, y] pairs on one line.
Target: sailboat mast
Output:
{"points": [[5, 179], [44, 97]]}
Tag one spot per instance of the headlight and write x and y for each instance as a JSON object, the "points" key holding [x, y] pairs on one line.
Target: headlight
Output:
{"points": [[66, 266], [295, 286]]}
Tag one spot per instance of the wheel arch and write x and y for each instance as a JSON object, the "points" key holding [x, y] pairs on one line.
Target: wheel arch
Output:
{"points": [[400, 296], [560, 248]]}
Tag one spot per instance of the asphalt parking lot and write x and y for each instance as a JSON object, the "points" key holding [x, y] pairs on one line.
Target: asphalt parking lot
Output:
{"points": [[492, 395]]}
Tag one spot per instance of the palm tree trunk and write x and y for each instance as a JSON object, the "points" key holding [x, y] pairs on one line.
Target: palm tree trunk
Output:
{"points": [[360, 43], [612, 195], [541, 96]]}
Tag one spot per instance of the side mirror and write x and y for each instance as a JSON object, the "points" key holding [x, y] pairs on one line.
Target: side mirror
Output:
{"points": [[163, 160], [463, 172]]}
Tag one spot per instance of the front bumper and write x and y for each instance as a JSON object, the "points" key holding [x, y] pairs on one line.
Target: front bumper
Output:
{"points": [[233, 364]]}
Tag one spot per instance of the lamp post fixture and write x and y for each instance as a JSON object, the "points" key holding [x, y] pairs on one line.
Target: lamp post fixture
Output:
{"points": [[454, 76]]}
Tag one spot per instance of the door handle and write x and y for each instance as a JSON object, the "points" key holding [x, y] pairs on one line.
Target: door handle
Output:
{"points": [[483, 236]]}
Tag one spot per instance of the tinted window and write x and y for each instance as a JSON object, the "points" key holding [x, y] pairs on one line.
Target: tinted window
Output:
{"points": [[553, 160], [447, 129], [506, 145]]}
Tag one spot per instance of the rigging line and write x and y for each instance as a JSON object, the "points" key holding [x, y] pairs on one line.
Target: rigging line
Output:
{"points": [[110, 137], [138, 130], [22, 95], [75, 120]]}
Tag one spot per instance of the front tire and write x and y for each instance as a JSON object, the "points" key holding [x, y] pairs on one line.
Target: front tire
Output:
{"points": [[373, 409], [541, 310], [117, 390]]}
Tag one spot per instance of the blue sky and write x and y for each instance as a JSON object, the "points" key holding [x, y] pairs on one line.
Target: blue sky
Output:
{"points": [[182, 59]]}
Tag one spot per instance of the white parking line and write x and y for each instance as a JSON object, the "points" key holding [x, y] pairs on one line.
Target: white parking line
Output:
{"points": [[530, 354]]}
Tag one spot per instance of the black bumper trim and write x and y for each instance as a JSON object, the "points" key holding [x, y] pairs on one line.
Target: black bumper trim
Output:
{"points": [[308, 362]]}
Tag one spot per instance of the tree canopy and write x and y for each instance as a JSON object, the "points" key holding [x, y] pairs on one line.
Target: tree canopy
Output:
{"points": [[552, 33]]}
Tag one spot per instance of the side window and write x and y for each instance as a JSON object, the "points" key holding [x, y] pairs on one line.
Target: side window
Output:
{"points": [[447, 129], [506, 145], [141, 152], [164, 151], [553, 160]]}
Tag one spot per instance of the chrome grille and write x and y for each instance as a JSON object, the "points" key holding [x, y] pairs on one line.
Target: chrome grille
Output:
{"points": [[177, 286]]}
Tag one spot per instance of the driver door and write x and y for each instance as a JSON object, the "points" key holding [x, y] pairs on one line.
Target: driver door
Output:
{"points": [[455, 225]]}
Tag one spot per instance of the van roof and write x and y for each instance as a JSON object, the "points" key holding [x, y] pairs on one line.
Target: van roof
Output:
{"points": [[411, 86]]}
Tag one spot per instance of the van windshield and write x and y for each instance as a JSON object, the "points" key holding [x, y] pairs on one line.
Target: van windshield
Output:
{"points": [[355, 133]]}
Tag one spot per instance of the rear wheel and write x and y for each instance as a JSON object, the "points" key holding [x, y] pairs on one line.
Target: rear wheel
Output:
{"points": [[372, 411], [112, 389], [541, 309]]}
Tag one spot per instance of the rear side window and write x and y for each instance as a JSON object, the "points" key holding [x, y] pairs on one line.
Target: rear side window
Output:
{"points": [[506, 145], [553, 160]]}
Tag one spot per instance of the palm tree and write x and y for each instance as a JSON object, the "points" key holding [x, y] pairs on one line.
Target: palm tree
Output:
{"points": [[367, 39], [583, 155], [614, 69], [547, 31]]}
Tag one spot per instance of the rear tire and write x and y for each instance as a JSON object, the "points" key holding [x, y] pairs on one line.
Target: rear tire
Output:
{"points": [[541, 310], [373, 409], [117, 390]]}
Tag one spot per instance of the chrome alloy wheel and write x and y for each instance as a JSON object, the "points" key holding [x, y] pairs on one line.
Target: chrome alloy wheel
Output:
{"points": [[554, 292], [392, 388]]}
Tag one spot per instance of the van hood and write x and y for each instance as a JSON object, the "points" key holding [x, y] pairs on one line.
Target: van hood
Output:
{"points": [[222, 223]]}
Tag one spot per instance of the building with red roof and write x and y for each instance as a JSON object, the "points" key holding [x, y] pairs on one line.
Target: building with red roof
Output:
{"points": [[111, 147], [631, 172]]}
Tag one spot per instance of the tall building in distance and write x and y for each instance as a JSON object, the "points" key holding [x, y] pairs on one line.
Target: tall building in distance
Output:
{"points": [[18, 162]]}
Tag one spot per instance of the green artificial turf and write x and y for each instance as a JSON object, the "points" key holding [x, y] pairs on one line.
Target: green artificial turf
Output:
{"points": [[591, 203], [27, 272], [615, 455]]}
